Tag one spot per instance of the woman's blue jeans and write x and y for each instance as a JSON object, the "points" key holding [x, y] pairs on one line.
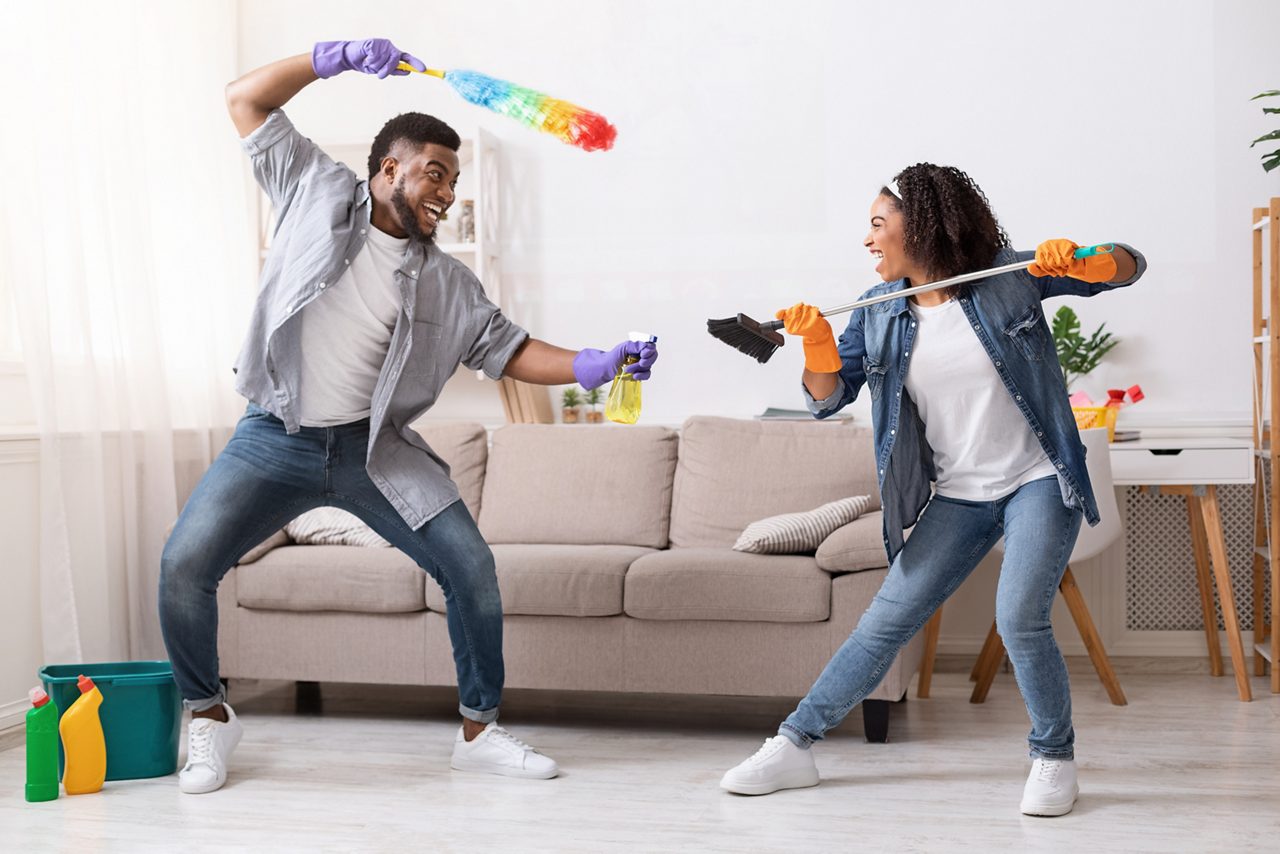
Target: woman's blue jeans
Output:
{"points": [[262, 480], [946, 544]]}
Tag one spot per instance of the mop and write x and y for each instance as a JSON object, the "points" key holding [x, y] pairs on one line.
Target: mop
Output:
{"points": [[760, 340]]}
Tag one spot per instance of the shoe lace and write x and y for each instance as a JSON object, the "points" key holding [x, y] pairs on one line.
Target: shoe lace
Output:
{"points": [[1047, 770], [770, 747], [199, 744], [501, 736]]}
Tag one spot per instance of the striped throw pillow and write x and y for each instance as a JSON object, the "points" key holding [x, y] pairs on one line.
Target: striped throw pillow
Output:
{"points": [[796, 533], [329, 526]]}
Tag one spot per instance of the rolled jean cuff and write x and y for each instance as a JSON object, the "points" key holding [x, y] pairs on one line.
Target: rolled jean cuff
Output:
{"points": [[206, 704], [487, 716], [795, 736], [1067, 754]]}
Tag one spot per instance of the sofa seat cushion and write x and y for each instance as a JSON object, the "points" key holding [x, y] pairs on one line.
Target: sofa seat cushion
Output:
{"points": [[722, 584], [856, 546], [332, 578], [557, 580]]}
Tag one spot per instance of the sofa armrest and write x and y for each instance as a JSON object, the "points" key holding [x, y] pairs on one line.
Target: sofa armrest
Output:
{"points": [[854, 547]]}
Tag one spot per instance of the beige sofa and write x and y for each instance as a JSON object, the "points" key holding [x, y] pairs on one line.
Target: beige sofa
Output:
{"points": [[614, 557]]}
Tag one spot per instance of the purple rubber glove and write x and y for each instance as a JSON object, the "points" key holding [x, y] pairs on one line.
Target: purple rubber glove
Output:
{"points": [[372, 56], [594, 368]]}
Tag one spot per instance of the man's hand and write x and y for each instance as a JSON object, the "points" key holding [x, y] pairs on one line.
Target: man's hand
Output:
{"points": [[593, 368], [371, 56], [820, 354]]}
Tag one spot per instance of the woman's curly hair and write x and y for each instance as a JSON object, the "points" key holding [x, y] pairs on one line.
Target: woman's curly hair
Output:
{"points": [[948, 223]]}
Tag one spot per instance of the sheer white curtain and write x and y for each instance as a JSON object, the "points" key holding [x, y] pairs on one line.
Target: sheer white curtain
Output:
{"points": [[128, 250]]}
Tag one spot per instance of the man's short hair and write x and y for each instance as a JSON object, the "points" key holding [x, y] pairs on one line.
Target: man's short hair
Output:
{"points": [[417, 129]]}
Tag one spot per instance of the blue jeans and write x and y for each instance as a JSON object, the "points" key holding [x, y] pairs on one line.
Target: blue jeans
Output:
{"points": [[262, 480], [946, 544]]}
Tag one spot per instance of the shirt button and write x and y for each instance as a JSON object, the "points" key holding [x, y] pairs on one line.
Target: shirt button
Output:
{"points": [[323, 286], [1017, 397], [414, 274], [891, 432], [1038, 433], [362, 231], [975, 326], [346, 261], [997, 363], [913, 324], [881, 471], [1059, 465]]}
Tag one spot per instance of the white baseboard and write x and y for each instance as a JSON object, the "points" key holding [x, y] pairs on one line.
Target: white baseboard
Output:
{"points": [[14, 713], [1172, 644]]}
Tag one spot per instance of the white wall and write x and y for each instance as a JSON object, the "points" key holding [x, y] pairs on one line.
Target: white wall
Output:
{"points": [[752, 136]]}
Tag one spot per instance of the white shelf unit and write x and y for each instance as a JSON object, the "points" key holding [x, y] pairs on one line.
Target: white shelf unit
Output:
{"points": [[1265, 226]]}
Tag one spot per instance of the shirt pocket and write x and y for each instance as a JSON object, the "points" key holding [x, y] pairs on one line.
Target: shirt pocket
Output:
{"points": [[428, 357], [876, 373], [1029, 335]]}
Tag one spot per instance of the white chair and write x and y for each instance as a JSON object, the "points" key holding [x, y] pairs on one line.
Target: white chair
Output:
{"points": [[1091, 542]]}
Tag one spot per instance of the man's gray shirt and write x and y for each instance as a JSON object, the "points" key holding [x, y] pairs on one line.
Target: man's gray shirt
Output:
{"points": [[322, 211]]}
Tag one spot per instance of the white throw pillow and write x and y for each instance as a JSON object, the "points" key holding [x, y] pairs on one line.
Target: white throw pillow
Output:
{"points": [[329, 526], [796, 533]]}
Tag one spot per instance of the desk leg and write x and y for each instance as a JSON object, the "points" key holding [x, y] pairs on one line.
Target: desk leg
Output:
{"points": [[1208, 505], [1200, 546]]}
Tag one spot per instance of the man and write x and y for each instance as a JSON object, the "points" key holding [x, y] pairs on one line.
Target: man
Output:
{"points": [[358, 323]]}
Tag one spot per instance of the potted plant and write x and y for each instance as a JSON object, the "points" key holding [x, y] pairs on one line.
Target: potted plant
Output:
{"points": [[1272, 160], [571, 400], [1077, 354], [594, 415]]}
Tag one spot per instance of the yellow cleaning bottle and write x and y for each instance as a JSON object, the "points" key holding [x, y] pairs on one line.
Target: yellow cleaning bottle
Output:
{"points": [[623, 405], [83, 743]]}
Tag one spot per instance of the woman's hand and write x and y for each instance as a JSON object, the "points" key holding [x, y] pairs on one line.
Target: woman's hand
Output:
{"points": [[1057, 258], [806, 321]]}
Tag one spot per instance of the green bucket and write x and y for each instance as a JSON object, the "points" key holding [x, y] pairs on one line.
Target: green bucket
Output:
{"points": [[141, 713]]}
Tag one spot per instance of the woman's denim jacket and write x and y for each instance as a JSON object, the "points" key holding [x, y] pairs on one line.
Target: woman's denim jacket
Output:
{"points": [[1006, 315]]}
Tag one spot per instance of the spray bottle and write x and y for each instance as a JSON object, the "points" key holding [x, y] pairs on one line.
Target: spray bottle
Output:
{"points": [[623, 405], [83, 742], [42, 748]]}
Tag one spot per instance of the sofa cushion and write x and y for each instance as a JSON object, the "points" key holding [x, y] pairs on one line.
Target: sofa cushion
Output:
{"points": [[732, 472], [557, 580], [332, 578], [856, 546], [581, 485], [465, 447], [721, 584], [332, 526]]}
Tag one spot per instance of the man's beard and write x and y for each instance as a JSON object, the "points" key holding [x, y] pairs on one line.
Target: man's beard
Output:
{"points": [[409, 217]]}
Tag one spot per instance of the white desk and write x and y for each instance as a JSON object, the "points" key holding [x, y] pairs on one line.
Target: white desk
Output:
{"points": [[1193, 467]]}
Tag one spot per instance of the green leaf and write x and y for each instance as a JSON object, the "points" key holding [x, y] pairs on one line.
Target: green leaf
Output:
{"points": [[1273, 162], [1271, 109], [1268, 94], [1275, 134]]}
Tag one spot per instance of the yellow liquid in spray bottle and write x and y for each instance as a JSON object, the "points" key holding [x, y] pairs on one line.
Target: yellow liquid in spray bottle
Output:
{"points": [[623, 405]]}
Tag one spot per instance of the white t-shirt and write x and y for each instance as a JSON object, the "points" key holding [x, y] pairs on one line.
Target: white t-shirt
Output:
{"points": [[346, 332], [983, 448]]}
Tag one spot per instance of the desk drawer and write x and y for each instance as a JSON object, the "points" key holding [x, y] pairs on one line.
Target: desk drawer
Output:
{"points": [[1181, 465]]}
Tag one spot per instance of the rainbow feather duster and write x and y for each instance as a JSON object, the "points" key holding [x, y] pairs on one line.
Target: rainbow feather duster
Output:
{"points": [[563, 120]]}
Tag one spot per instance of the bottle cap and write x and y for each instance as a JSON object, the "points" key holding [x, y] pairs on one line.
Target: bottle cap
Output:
{"points": [[38, 697], [643, 337], [85, 683]]}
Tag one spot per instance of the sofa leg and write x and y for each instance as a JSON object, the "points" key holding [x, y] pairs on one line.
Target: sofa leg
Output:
{"points": [[306, 698], [875, 720]]}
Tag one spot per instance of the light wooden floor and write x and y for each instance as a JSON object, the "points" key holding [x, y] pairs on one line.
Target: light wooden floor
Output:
{"points": [[1184, 767]]}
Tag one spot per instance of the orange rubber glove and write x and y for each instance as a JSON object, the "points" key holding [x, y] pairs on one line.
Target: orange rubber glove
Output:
{"points": [[820, 354], [1056, 258]]}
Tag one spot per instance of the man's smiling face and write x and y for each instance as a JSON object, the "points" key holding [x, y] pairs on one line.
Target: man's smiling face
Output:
{"points": [[423, 188]]}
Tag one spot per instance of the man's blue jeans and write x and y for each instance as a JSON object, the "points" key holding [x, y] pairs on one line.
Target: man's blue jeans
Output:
{"points": [[946, 544], [262, 480]]}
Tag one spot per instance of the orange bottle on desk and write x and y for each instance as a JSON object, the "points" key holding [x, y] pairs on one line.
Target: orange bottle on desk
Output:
{"points": [[83, 744]]}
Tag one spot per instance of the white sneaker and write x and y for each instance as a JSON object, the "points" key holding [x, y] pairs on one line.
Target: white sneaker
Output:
{"points": [[496, 751], [1051, 788], [779, 764], [209, 746]]}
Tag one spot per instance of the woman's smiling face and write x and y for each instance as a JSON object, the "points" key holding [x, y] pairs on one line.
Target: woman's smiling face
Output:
{"points": [[885, 239]]}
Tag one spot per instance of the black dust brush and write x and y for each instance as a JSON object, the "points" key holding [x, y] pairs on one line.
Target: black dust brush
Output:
{"points": [[761, 340]]}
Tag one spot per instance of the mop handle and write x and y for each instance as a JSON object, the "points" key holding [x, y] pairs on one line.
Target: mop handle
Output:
{"points": [[1082, 252]]}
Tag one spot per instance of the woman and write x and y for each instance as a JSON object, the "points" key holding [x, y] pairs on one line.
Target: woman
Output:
{"points": [[966, 393]]}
